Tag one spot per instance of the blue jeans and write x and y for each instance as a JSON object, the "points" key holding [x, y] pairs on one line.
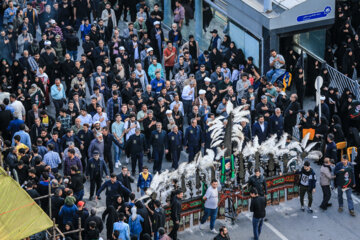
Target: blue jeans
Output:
{"points": [[348, 196], [73, 55], [79, 195], [212, 213], [274, 74], [156, 235], [257, 225], [117, 152]]}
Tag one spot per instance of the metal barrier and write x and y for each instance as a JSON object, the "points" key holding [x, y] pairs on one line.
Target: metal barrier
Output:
{"points": [[340, 81]]}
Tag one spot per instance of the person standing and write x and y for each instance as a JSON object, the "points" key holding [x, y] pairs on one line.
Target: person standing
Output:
{"points": [[258, 182], [290, 114], [122, 227], [344, 172], [136, 146], [58, 95], [330, 149], [77, 182], [193, 139], [179, 14], [113, 189], [260, 129], [52, 158], [175, 213], [169, 59], [144, 180], [307, 185], [158, 141], [211, 205], [117, 129], [257, 206], [175, 145], [109, 140], [325, 180], [159, 218], [71, 160], [95, 168], [125, 178]]}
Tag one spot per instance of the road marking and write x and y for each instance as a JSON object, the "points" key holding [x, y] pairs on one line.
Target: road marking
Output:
{"points": [[271, 227]]}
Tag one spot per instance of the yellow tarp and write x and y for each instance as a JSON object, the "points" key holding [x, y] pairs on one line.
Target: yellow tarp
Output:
{"points": [[20, 216]]}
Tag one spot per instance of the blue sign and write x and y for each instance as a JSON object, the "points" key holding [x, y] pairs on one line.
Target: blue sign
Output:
{"points": [[311, 16]]}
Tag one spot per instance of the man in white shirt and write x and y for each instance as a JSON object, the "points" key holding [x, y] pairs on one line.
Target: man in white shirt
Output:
{"points": [[100, 116], [211, 205], [130, 126], [19, 110], [188, 96], [177, 102], [85, 117]]}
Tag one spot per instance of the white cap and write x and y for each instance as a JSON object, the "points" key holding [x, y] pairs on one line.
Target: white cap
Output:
{"points": [[52, 21], [97, 122], [156, 23], [168, 112], [207, 79], [322, 98], [150, 49], [283, 93], [47, 43], [121, 48], [202, 91]]}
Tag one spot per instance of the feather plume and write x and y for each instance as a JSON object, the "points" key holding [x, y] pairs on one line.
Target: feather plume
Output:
{"points": [[310, 146], [229, 107], [217, 143], [282, 142], [220, 153], [315, 155], [295, 146], [305, 140], [216, 125], [217, 132]]}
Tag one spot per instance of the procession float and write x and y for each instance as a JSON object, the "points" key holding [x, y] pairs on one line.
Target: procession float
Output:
{"points": [[232, 159]]}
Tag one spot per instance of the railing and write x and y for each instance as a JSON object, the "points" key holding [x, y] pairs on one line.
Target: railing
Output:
{"points": [[340, 81]]}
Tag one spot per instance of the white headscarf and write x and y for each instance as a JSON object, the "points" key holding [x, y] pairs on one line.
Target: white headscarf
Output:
{"points": [[133, 213]]}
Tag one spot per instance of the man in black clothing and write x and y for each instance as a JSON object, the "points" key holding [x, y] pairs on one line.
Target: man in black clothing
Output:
{"points": [[67, 69], [95, 168], [159, 218], [175, 213], [88, 46], [56, 203], [77, 182], [109, 139], [257, 206], [136, 146], [93, 217], [31, 191], [290, 114], [125, 178], [258, 182]]}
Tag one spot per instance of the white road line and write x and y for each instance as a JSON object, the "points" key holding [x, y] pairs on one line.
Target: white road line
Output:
{"points": [[271, 227]]}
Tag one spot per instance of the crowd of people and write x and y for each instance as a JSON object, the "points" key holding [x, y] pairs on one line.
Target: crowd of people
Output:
{"points": [[68, 118]]}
